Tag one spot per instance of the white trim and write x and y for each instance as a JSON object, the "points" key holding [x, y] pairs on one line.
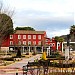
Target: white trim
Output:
{"points": [[34, 36], [19, 36], [62, 47], [29, 36], [11, 36], [24, 42], [11, 42], [24, 36], [39, 36], [69, 42]]}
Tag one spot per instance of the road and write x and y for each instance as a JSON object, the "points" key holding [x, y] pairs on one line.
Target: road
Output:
{"points": [[17, 67]]}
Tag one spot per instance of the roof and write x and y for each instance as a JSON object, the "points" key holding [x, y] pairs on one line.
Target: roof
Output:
{"points": [[29, 32]]}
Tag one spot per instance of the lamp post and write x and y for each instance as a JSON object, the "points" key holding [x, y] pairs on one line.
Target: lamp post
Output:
{"points": [[67, 49]]}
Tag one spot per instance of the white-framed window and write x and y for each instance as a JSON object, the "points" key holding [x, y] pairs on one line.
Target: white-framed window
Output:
{"points": [[11, 36], [29, 42], [19, 42], [58, 44], [53, 44], [39, 42], [39, 36], [34, 42], [11, 42], [24, 36], [29, 36], [34, 36], [19, 36], [24, 42]]}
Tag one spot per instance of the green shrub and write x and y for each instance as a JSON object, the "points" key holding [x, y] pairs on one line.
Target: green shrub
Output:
{"points": [[9, 59], [18, 53]]}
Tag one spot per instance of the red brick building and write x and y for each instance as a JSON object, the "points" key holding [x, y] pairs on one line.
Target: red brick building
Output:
{"points": [[53, 44], [25, 39]]}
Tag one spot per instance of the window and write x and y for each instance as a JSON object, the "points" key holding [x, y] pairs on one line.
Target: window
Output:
{"points": [[11, 36], [24, 36], [19, 36], [11, 42], [39, 36], [29, 42], [24, 42], [58, 44], [19, 42], [46, 40], [34, 36], [29, 36], [53, 44], [34, 42], [39, 43]]}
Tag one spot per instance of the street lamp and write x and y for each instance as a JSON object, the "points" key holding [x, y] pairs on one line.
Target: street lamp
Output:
{"points": [[68, 40]]}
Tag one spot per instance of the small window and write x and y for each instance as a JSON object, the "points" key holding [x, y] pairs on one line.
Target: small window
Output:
{"points": [[11, 42], [34, 36], [46, 40], [39, 43], [29, 36], [19, 36], [58, 44], [34, 42], [24, 42], [29, 42], [19, 42], [39, 36], [11, 36], [24, 36], [53, 44]]}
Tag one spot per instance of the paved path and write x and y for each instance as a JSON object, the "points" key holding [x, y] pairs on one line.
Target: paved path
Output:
{"points": [[17, 67]]}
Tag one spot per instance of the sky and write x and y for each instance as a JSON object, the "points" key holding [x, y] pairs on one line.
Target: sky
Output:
{"points": [[53, 16]]}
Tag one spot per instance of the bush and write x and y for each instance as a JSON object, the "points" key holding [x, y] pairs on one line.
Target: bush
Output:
{"points": [[18, 53], [9, 59]]}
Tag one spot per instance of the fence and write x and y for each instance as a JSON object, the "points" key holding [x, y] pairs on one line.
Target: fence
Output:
{"points": [[45, 69]]}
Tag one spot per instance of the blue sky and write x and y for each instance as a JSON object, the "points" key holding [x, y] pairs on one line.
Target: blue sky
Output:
{"points": [[53, 16]]}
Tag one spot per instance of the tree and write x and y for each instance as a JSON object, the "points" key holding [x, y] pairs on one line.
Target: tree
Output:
{"points": [[58, 39], [72, 29], [18, 52], [6, 24], [25, 28], [6, 27]]}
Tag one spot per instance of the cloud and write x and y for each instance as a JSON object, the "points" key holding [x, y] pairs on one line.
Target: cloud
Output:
{"points": [[57, 32], [53, 16]]}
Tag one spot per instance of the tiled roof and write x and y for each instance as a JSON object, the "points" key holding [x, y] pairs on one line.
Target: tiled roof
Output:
{"points": [[29, 32]]}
